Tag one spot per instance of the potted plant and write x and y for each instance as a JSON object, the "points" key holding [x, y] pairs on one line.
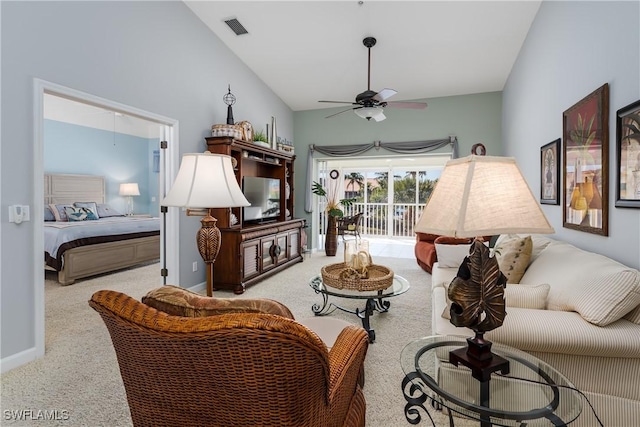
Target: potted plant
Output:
{"points": [[333, 211], [259, 136]]}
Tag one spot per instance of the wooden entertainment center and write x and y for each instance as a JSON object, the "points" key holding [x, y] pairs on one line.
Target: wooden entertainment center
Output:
{"points": [[252, 250]]}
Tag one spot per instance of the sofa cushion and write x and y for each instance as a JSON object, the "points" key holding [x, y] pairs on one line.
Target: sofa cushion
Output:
{"points": [[633, 315], [600, 300], [565, 267], [178, 301], [513, 257], [451, 251]]}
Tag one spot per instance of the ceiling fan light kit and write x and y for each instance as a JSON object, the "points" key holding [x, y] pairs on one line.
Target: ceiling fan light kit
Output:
{"points": [[370, 104], [369, 113]]}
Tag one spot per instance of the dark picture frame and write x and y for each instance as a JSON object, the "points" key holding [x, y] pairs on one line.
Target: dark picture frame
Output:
{"points": [[550, 173], [628, 156], [585, 163]]}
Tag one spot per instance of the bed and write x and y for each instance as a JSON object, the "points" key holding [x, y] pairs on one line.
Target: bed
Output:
{"points": [[84, 248]]}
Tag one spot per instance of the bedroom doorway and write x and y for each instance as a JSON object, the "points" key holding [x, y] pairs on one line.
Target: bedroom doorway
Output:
{"points": [[49, 99]]}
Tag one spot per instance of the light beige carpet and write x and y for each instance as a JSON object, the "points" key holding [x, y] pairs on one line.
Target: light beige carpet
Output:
{"points": [[78, 377]]}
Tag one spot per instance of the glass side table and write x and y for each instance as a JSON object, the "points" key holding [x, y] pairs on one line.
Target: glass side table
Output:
{"points": [[533, 393]]}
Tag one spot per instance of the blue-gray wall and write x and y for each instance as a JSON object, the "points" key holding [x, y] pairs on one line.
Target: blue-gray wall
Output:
{"points": [[120, 158], [154, 56], [572, 49]]}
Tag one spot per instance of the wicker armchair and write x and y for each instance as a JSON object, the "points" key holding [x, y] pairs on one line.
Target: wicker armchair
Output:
{"points": [[237, 369], [349, 225]]}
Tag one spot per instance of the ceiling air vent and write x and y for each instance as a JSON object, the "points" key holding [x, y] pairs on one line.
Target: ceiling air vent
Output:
{"points": [[236, 26]]}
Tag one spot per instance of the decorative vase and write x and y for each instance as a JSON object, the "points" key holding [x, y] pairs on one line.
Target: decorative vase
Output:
{"points": [[587, 189], [331, 237]]}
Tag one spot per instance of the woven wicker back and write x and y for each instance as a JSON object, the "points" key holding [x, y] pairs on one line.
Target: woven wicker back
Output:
{"points": [[227, 370]]}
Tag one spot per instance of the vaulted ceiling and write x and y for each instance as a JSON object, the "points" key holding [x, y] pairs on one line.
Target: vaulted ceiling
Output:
{"points": [[307, 51]]}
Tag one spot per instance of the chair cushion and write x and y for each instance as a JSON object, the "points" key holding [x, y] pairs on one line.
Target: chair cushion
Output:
{"points": [[178, 301]]}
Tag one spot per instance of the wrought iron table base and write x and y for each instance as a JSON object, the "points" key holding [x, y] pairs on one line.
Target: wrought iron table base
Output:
{"points": [[373, 303]]}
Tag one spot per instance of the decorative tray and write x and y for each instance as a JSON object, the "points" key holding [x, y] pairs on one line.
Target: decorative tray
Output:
{"points": [[338, 276]]}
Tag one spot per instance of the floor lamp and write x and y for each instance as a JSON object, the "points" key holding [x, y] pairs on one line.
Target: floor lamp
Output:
{"points": [[206, 181], [480, 196]]}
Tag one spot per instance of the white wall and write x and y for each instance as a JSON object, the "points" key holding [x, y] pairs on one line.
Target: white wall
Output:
{"points": [[154, 56], [572, 49]]}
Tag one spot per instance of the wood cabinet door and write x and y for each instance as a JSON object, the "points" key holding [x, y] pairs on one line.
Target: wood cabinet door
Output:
{"points": [[283, 248], [268, 256], [250, 259], [294, 243]]}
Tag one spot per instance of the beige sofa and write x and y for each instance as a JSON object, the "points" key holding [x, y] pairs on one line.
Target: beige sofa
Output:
{"points": [[602, 361]]}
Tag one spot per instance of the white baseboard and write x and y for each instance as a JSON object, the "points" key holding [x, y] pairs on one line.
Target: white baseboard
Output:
{"points": [[22, 358]]}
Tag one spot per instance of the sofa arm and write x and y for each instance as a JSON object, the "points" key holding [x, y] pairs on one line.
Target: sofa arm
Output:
{"points": [[178, 301]]}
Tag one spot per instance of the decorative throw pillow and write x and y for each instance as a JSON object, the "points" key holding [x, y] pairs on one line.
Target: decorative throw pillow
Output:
{"points": [[527, 296], [520, 296], [105, 211], [79, 214], [93, 206], [48, 214], [451, 251], [178, 301], [603, 300], [513, 257], [58, 211]]}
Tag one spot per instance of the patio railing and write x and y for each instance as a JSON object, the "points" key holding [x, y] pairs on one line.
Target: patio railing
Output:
{"points": [[382, 219]]}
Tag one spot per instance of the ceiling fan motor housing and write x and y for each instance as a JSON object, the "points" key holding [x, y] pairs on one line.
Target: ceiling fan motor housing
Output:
{"points": [[364, 96]]}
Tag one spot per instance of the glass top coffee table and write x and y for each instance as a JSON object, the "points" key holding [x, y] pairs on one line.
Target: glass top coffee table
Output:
{"points": [[532, 393], [375, 300]]}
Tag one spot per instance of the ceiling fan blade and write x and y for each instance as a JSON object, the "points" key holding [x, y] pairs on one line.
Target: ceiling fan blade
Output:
{"points": [[338, 102], [412, 105], [384, 94], [340, 112]]}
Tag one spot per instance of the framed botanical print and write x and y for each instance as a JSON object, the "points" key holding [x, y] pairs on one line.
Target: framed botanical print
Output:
{"points": [[628, 154], [585, 162], [550, 173]]}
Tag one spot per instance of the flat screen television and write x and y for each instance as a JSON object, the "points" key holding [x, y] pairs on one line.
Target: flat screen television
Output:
{"points": [[264, 196]]}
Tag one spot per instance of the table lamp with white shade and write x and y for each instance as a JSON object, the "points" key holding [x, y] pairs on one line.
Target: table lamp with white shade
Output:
{"points": [[480, 196], [128, 190], [206, 181]]}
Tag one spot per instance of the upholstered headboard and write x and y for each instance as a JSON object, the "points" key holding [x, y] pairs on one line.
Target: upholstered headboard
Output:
{"points": [[67, 188]]}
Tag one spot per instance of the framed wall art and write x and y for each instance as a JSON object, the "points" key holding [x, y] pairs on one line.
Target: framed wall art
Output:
{"points": [[628, 153], [585, 162], [550, 173]]}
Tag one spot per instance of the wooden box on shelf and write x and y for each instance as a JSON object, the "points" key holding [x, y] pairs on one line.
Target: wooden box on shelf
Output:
{"points": [[251, 250]]}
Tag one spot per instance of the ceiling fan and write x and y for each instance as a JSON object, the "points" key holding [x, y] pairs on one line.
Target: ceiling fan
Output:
{"points": [[369, 104]]}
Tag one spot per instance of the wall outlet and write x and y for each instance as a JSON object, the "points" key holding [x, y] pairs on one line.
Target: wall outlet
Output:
{"points": [[195, 266]]}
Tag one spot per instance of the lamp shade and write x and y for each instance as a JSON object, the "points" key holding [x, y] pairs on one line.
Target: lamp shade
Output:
{"points": [[369, 113], [205, 181], [482, 196], [129, 189]]}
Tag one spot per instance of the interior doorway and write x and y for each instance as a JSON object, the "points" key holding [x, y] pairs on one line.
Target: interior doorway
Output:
{"points": [[168, 160]]}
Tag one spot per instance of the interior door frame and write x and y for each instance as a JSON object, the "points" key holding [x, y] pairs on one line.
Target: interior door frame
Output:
{"points": [[168, 170]]}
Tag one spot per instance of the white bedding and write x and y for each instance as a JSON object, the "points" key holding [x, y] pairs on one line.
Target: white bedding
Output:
{"points": [[60, 236]]}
